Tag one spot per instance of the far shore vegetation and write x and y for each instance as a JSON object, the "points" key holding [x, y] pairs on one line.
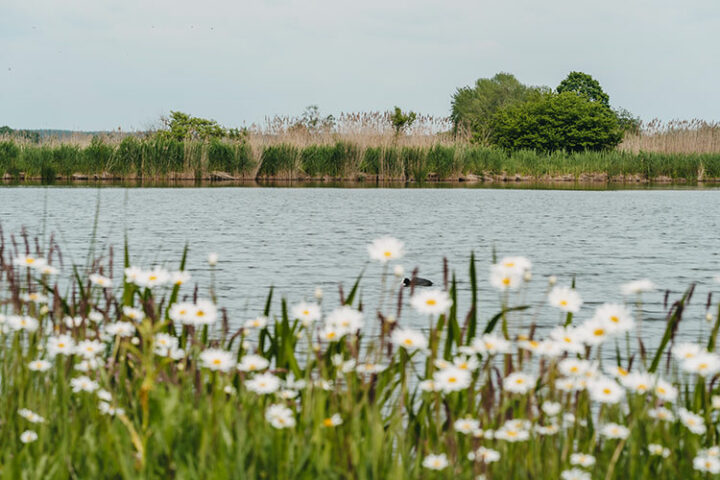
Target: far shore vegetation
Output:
{"points": [[498, 130]]}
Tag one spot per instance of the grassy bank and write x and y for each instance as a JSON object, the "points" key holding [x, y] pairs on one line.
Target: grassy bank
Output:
{"points": [[138, 375], [398, 159]]}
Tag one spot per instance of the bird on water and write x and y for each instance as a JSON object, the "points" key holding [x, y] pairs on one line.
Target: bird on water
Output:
{"points": [[417, 282]]}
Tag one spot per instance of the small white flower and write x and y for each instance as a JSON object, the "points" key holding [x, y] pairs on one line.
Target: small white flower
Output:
{"points": [[307, 313], [569, 339], [575, 474], [491, 345], [452, 379], [258, 322], [665, 391], [28, 436], [100, 280], [120, 329], [435, 462], [48, 270], [715, 402], [385, 249], [205, 313], [318, 293], [504, 278], [433, 301], [551, 408], [345, 319], [156, 277], [183, 313], [83, 384], [217, 359], [399, 271], [30, 416], [466, 425], [263, 384], [604, 390], [29, 261], [686, 351], [35, 297], [369, 367], [409, 339], [280, 416], [566, 299], [707, 464], [617, 318], [180, 277], [655, 449], [39, 365], [661, 413], [212, 259], [134, 314], [638, 286], [23, 322], [95, 316], [704, 364], [60, 345], [613, 430], [89, 348], [582, 459], [485, 455], [519, 382], [252, 363], [695, 423]]}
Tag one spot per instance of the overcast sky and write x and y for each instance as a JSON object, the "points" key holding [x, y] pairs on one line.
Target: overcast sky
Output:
{"points": [[103, 64]]}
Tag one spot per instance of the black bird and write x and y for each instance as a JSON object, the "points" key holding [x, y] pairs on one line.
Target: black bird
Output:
{"points": [[417, 282]]}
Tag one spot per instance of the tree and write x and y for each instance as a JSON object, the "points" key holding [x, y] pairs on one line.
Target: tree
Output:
{"points": [[311, 122], [400, 120], [586, 85], [473, 107], [557, 121], [181, 126]]}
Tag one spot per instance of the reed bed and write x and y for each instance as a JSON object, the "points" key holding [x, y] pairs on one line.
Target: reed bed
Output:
{"points": [[138, 374], [363, 146]]}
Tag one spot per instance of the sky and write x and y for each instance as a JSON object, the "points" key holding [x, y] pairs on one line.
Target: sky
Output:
{"points": [[104, 64]]}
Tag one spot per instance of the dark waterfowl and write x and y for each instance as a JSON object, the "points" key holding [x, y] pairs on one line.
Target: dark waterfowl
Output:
{"points": [[417, 282]]}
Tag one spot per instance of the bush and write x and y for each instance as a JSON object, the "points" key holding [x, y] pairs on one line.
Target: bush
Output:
{"points": [[565, 121], [279, 160]]}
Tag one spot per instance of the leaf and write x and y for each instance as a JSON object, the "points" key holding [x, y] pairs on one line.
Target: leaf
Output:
{"points": [[493, 321]]}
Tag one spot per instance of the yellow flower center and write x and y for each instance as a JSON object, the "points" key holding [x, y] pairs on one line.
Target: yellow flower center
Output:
{"points": [[598, 332], [661, 390], [534, 343], [563, 303], [614, 319], [430, 301], [30, 260], [452, 380], [509, 264], [512, 433], [200, 313], [607, 391], [217, 361], [61, 345], [387, 253], [152, 278], [567, 340], [519, 381], [642, 387], [574, 369], [702, 366], [328, 422], [183, 311], [408, 341], [331, 335], [506, 281], [622, 371], [306, 312]]}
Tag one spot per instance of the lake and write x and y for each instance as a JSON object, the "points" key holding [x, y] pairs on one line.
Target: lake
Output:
{"points": [[298, 239]]}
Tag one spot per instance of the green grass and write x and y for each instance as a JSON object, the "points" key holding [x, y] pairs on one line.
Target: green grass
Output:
{"points": [[159, 158], [182, 419]]}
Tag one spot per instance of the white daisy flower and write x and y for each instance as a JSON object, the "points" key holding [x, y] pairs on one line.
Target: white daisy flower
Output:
{"points": [[574, 367], [639, 382], [29, 261], [704, 364], [575, 474], [659, 450], [665, 391], [706, 464], [280, 416], [134, 314], [34, 297], [89, 348], [156, 277], [28, 436], [661, 413], [504, 278], [180, 277], [409, 339], [519, 382], [60, 345], [346, 319], [613, 430], [686, 351], [164, 343], [452, 379], [120, 329], [83, 384], [385, 249], [47, 270], [252, 363], [369, 367], [183, 313], [604, 390], [485, 455], [466, 425], [22, 322], [30, 416], [307, 313], [565, 298], [596, 331], [582, 459], [551, 408], [638, 286], [258, 322], [617, 318], [432, 301], [205, 313], [72, 322], [489, 344], [695, 423], [569, 339], [435, 462], [264, 383], [100, 280], [217, 359], [39, 365]]}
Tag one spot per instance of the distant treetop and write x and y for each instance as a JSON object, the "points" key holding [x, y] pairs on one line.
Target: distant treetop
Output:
{"points": [[585, 85]]}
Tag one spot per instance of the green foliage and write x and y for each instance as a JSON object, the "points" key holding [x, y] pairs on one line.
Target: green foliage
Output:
{"points": [[311, 122], [127, 158], [401, 121], [473, 107], [628, 122], [564, 121], [181, 126], [279, 160], [441, 161], [585, 85]]}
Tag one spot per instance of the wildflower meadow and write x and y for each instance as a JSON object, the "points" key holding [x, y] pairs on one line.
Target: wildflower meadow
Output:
{"points": [[139, 373]]}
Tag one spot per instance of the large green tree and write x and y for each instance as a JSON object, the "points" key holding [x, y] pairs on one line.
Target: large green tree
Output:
{"points": [[473, 107], [585, 85], [556, 121], [181, 126]]}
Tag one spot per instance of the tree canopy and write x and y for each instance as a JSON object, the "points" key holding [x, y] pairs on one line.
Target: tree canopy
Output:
{"points": [[585, 85], [181, 126], [473, 107], [557, 121]]}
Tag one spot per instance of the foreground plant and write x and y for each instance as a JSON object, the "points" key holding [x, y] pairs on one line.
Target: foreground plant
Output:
{"points": [[139, 376]]}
